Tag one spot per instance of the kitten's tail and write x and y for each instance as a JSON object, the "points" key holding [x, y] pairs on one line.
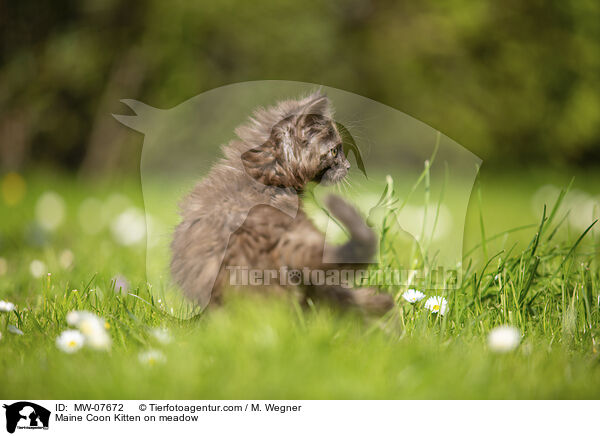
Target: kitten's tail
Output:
{"points": [[363, 243], [359, 249]]}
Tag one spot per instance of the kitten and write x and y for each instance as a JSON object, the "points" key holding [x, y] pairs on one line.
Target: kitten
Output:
{"points": [[247, 211]]}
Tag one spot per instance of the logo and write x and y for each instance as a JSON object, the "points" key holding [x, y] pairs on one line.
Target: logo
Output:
{"points": [[26, 415], [411, 166]]}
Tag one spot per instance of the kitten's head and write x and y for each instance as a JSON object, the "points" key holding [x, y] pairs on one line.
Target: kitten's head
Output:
{"points": [[300, 143]]}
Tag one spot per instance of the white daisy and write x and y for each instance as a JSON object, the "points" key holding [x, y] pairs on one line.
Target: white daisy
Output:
{"points": [[37, 268], [93, 328], [74, 317], [95, 333], [413, 296], [6, 306], [437, 304], [129, 227], [152, 357], [70, 341], [50, 210], [504, 338], [66, 259], [161, 335]]}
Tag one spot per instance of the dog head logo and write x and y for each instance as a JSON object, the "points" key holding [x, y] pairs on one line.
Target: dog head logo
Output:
{"points": [[26, 415], [417, 191]]}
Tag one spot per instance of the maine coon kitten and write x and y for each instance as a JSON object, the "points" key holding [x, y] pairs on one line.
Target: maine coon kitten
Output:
{"points": [[247, 211]]}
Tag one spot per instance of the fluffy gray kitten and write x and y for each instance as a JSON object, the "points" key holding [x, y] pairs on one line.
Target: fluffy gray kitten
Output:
{"points": [[247, 211]]}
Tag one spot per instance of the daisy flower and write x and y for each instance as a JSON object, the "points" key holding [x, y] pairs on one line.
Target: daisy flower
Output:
{"points": [[129, 227], [151, 357], [161, 335], [70, 341], [37, 268], [413, 296], [504, 338], [66, 259], [93, 328], [6, 306], [50, 211], [73, 317], [437, 304], [95, 333]]}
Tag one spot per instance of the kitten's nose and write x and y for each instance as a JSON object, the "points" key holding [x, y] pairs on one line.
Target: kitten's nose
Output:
{"points": [[347, 165]]}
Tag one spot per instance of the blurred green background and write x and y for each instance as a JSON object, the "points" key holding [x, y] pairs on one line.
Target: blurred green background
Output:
{"points": [[515, 82]]}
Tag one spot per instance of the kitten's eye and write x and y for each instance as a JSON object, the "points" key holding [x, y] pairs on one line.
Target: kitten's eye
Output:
{"points": [[334, 151]]}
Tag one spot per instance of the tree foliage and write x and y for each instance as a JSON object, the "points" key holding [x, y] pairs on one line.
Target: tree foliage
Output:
{"points": [[512, 81]]}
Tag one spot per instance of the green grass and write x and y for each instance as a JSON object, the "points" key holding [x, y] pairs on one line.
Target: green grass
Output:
{"points": [[259, 347]]}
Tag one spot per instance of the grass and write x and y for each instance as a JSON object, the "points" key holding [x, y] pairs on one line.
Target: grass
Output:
{"points": [[543, 279]]}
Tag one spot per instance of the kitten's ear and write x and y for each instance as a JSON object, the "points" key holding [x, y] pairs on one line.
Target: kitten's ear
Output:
{"points": [[315, 112], [319, 105]]}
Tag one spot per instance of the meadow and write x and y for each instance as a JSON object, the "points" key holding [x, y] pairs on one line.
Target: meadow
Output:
{"points": [[529, 261]]}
